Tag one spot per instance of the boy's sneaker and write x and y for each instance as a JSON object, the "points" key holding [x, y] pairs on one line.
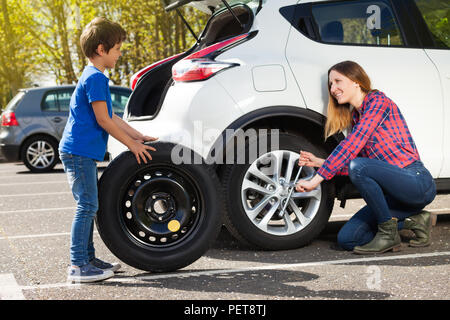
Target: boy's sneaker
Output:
{"points": [[105, 265], [88, 273]]}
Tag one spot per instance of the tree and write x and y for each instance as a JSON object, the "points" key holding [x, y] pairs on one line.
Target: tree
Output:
{"points": [[11, 71], [42, 38]]}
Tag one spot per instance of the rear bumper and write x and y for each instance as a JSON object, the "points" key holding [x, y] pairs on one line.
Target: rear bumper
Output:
{"points": [[9, 153]]}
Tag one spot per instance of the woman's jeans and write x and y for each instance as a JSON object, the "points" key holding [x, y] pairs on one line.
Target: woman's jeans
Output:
{"points": [[389, 191], [82, 176]]}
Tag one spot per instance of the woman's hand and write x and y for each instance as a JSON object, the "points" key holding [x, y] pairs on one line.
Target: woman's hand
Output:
{"points": [[308, 185], [307, 159]]}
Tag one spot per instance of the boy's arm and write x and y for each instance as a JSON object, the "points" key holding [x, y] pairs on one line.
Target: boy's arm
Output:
{"points": [[133, 133], [110, 126]]}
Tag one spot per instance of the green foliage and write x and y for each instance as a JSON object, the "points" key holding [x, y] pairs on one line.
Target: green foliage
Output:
{"points": [[40, 39], [437, 14]]}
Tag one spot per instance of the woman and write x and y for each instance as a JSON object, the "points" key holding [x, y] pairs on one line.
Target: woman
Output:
{"points": [[382, 161]]}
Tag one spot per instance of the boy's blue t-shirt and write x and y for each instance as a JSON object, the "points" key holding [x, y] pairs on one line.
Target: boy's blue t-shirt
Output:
{"points": [[82, 135]]}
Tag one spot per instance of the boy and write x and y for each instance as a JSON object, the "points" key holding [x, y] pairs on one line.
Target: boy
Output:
{"points": [[84, 141]]}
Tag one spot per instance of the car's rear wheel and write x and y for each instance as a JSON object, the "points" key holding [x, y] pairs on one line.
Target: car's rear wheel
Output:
{"points": [[158, 216], [257, 192], [40, 153]]}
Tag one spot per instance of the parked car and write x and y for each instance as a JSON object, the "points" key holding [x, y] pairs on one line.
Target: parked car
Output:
{"points": [[34, 120], [263, 65]]}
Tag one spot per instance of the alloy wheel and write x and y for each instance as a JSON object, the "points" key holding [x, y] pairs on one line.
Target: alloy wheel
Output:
{"points": [[265, 190], [40, 154]]}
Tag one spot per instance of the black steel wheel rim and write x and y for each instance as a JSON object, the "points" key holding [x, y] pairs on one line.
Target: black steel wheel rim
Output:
{"points": [[160, 206]]}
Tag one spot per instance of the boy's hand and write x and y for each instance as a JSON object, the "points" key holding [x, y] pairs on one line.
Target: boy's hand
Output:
{"points": [[141, 151], [143, 139]]}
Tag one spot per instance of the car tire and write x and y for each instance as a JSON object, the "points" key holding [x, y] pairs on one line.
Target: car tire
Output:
{"points": [[242, 202], [40, 153], [158, 216]]}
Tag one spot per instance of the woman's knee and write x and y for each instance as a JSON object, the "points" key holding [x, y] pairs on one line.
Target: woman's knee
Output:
{"points": [[355, 167]]}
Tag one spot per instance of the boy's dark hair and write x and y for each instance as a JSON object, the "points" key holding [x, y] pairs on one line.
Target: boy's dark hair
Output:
{"points": [[101, 31]]}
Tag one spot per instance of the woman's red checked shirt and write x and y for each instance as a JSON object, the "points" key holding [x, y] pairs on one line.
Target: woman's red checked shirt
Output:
{"points": [[379, 133]]}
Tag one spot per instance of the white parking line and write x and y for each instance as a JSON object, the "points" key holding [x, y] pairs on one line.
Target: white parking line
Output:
{"points": [[343, 217], [35, 236], [181, 274], [30, 236], [37, 210], [34, 194], [292, 265], [30, 183], [40, 175], [9, 289]]}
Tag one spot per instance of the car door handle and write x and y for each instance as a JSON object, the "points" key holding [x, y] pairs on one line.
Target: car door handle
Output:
{"points": [[57, 119]]}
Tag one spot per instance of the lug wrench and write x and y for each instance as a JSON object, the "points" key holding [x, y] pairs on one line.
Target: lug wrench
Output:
{"points": [[291, 187]]}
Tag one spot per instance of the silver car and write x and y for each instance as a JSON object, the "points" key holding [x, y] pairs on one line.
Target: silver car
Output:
{"points": [[34, 120]]}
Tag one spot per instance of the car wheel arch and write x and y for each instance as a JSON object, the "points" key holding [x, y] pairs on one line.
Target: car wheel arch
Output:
{"points": [[270, 118]]}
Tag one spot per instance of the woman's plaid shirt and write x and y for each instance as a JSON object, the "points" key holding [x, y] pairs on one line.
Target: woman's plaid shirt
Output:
{"points": [[379, 133]]}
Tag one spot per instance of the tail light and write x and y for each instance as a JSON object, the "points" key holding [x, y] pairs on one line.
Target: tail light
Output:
{"points": [[9, 119], [201, 64], [135, 78]]}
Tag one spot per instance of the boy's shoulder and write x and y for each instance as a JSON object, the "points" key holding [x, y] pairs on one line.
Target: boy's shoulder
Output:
{"points": [[92, 73]]}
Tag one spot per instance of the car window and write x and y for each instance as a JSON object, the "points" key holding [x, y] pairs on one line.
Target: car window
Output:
{"points": [[436, 14], [119, 100], [357, 22], [50, 102], [64, 100]]}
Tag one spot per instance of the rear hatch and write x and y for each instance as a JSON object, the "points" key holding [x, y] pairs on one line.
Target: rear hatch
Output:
{"points": [[228, 19], [207, 6]]}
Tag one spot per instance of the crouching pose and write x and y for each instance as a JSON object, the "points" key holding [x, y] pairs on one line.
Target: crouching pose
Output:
{"points": [[381, 159]]}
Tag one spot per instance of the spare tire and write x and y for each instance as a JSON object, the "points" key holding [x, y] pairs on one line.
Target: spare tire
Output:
{"points": [[158, 216]]}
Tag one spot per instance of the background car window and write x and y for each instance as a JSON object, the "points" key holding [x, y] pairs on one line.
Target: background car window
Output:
{"points": [[64, 100], [357, 22], [436, 14], [119, 100], [57, 101], [50, 102]]}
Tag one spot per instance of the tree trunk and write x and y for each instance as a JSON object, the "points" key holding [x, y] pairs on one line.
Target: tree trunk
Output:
{"points": [[61, 21]]}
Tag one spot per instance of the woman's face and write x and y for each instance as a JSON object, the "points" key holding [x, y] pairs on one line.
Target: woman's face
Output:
{"points": [[342, 88]]}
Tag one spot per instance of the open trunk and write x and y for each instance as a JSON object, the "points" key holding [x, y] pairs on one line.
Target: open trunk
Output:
{"points": [[149, 93]]}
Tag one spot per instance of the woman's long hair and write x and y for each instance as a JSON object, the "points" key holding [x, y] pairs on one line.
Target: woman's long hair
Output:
{"points": [[339, 116]]}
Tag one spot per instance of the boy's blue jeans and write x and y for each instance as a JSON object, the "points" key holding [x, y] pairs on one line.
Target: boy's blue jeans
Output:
{"points": [[82, 176], [389, 191]]}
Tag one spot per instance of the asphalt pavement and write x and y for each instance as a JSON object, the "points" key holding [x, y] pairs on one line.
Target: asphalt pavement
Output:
{"points": [[36, 213]]}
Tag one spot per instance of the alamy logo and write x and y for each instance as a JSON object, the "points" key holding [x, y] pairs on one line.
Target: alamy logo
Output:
{"points": [[374, 21], [231, 147], [373, 281]]}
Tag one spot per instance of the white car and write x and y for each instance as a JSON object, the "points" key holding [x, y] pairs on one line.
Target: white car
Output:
{"points": [[233, 112]]}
